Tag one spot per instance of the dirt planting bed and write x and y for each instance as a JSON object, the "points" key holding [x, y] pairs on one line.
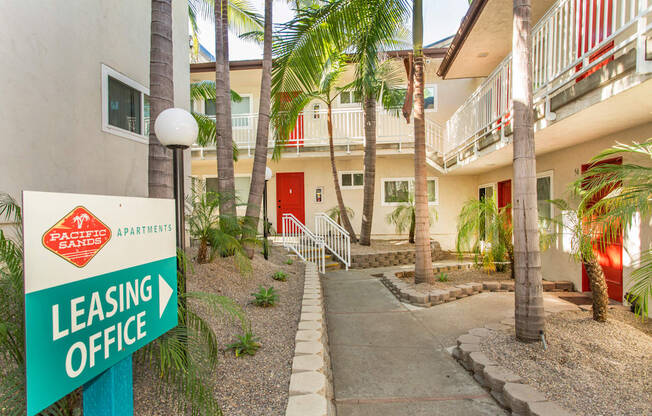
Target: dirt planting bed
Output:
{"points": [[466, 274], [248, 385], [589, 368]]}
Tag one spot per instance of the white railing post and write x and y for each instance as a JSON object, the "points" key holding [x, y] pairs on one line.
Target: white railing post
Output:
{"points": [[335, 238], [300, 240]]}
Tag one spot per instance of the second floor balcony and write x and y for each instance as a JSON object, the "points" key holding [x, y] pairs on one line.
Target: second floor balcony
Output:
{"points": [[311, 133]]}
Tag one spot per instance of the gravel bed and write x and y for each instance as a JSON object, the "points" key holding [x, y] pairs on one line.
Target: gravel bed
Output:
{"points": [[249, 385], [455, 277], [590, 368]]}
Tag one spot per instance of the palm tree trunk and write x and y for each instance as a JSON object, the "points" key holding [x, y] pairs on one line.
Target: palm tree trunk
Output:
{"points": [[413, 222], [529, 312], [224, 139], [343, 216], [161, 97], [598, 285], [369, 168], [262, 134], [202, 252], [423, 253]]}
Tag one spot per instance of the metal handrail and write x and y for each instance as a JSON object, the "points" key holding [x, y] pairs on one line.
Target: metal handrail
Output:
{"points": [[300, 240], [336, 238]]}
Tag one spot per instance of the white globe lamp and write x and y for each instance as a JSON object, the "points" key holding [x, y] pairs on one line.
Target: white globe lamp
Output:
{"points": [[176, 128]]}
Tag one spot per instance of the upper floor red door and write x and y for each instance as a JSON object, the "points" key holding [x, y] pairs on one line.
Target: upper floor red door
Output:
{"points": [[290, 196]]}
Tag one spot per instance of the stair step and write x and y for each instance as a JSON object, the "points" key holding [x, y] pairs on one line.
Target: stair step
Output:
{"points": [[333, 265]]}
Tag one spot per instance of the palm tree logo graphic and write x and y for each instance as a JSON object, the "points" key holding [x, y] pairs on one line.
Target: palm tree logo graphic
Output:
{"points": [[80, 219]]}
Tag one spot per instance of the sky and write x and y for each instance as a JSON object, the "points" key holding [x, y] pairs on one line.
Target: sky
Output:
{"points": [[441, 18]]}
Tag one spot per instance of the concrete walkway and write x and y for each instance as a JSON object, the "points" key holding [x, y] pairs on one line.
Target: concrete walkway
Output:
{"points": [[391, 359]]}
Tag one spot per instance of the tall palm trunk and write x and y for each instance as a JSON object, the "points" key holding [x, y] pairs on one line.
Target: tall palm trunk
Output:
{"points": [[161, 97], [598, 288], [343, 216], [224, 139], [423, 254], [262, 134], [369, 168], [527, 259]]}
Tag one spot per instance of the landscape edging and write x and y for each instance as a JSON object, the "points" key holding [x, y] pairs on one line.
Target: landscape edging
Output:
{"points": [[311, 383], [405, 293], [507, 388]]}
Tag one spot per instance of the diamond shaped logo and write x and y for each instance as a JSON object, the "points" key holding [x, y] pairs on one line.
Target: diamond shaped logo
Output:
{"points": [[77, 237]]}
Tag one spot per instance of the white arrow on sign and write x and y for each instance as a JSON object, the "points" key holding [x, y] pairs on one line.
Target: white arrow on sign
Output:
{"points": [[164, 293]]}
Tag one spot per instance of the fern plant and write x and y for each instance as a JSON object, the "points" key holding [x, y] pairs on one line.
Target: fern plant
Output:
{"points": [[280, 275], [265, 297], [404, 217], [247, 344]]}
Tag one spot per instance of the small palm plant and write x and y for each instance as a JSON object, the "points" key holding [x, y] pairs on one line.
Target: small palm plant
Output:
{"points": [[485, 230], [334, 214], [247, 344], [280, 275], [404, 217], [616, 196], [265, 297], [217, 233], [583, 236]]}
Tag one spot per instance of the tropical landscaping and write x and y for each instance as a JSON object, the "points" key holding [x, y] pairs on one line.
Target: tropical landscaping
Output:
{"points": [[248, 303]]}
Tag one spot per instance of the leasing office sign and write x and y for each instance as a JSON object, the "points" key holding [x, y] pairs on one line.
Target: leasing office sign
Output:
{"points": [[100, 283]]}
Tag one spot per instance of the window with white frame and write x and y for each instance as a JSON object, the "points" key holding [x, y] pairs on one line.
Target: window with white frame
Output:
{"points": [[241, 112], [242, 184], [351, 180], [544, 196], [397, 191], [350, 97], [125, 106], [396, 98]]}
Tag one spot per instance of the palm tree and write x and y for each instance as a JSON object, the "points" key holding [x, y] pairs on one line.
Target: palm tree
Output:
{"points": [[486, 230], [529, 312], [262, 134], [423, 254], [628, 199], [404, 217], [161, 97], [318, 86]]}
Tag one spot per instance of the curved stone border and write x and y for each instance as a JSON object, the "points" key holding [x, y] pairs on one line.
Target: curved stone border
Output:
{"points": [[509, 390], [406, 293], [311, 388], [392, 258]]}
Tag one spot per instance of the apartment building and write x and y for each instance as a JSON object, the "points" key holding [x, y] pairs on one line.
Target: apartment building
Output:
{"points": [[592, 68], [74, 94]]}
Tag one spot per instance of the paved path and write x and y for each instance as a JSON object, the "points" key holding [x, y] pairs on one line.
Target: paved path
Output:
{"points": [[391, 359]]}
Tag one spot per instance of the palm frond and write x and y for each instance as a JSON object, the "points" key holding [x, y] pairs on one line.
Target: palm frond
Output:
{"points": [[641, 284]]}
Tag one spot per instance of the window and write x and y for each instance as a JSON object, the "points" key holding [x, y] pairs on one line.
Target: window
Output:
{"points": [[210, 108], [125, 106], [242, 184], [398, 191], [396, 98], [351, 180], [240, 112], [350, 97], [544, 195], [315, 111], [430, 98], [485, 193]]}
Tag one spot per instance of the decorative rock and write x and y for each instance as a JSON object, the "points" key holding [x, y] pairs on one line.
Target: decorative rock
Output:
{"points": [[491, 286], [311, 362], [306, 383], [497, 376], [455, 292], [457, 354], [477, 287], [564, 286], [467, 339], [507, 286], [547, 409], [309, 347], [465, 350], [419, 298], [479, 361], [311, 317], [316, 325], [466, 289], [496, 326], [311, 302], [308, 335], [437, 296], [311, 309], [548, 286], [519, 396], [480, 332], [309, 404], [312, 295]]}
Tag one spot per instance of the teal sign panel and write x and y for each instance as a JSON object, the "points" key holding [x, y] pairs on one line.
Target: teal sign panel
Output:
{"points": [[76, 331]]}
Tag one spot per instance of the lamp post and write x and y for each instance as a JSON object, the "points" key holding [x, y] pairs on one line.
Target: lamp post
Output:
{"points": [[268, 176], [177, 130]]}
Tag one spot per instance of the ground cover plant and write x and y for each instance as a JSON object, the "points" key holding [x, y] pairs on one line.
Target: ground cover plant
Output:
{"points": [[280, 275], [247, 344], [265, 297]]}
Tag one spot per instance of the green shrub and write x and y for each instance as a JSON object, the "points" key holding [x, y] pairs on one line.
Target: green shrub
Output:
{"points": [[280, 276], [265, 297], [246, 344], [443, 277], [289, 262]]}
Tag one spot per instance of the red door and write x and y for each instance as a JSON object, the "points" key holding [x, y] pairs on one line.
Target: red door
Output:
{"points": [[504, 194], [290, 196], [610, 256], [296, 135]]}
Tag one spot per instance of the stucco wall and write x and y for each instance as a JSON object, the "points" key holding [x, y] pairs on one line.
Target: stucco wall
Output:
{"points": [[566, 167], [50, 101]]}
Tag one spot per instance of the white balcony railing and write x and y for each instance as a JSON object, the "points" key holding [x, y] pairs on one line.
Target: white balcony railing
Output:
{"points": [[573, 39], [348, 130]]}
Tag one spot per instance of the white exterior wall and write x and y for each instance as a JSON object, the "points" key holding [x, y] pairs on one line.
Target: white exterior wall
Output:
{"points": [[50, 93]]}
